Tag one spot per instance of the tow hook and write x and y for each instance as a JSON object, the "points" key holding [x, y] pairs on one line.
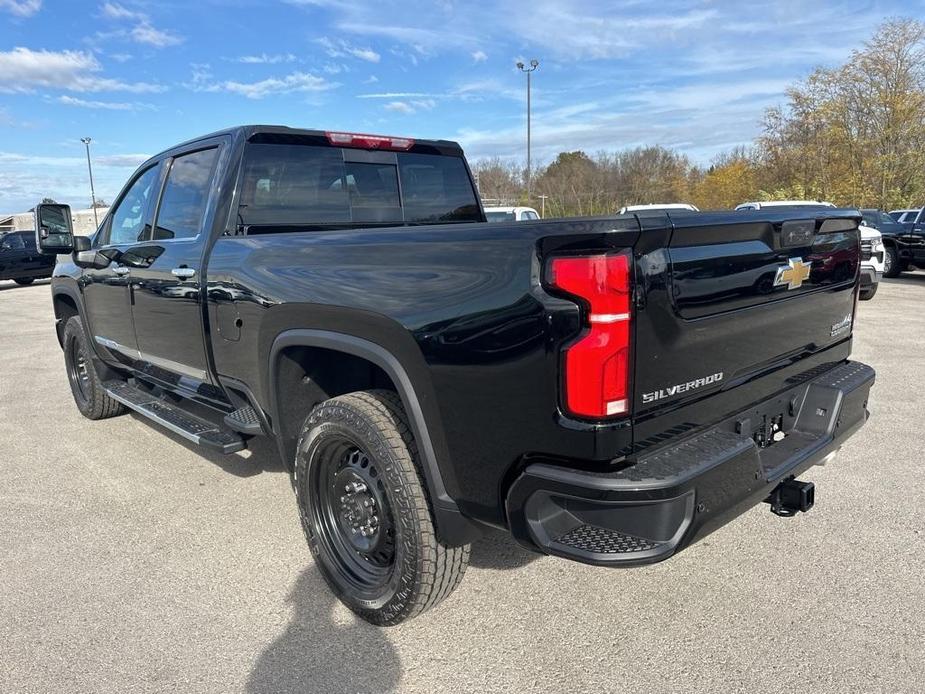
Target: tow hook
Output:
{"points": [[792, 496]]}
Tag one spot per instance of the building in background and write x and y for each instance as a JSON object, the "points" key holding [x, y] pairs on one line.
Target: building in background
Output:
{"points": [[83, 220]]}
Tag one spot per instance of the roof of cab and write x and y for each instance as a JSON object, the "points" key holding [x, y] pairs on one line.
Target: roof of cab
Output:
{"points": [[248, 132]]}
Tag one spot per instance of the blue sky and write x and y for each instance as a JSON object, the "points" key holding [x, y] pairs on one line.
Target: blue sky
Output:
{"points": [[139, 76]]}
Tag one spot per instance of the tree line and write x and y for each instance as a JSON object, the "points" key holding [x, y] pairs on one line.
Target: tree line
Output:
{"points": [[853, 135]]}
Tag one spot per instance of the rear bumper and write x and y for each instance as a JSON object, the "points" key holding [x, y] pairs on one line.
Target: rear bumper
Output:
{"points": [[669, 498]]}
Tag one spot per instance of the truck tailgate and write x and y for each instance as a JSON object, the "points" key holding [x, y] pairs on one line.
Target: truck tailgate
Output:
{"points": [[732, 298]]}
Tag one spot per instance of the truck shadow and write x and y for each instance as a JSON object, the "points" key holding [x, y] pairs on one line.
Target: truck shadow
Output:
{"points": [[260, 456], [325, 648], [910, 278], [4, 284], [498, 550]]}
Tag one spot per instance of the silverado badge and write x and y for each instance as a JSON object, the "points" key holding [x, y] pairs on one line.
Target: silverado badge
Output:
{"points": [[793, 274]]}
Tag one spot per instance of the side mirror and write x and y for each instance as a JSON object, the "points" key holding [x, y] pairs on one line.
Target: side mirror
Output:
{"points": [[54, 233]]}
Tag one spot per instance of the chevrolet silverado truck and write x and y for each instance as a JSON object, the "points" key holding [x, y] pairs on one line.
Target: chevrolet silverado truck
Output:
{"points": [[904, 242], [607, 390]]}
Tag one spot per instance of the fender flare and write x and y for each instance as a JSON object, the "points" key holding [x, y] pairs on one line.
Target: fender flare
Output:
{"points": [[453, 528], [74, 296]]}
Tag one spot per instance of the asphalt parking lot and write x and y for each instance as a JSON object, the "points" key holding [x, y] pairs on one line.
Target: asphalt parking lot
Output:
{"points": [[131, 561]]}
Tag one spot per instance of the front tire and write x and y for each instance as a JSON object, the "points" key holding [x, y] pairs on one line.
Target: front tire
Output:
{"points": [[365, 511], [86, 387], [24, 281], [892, 265]]}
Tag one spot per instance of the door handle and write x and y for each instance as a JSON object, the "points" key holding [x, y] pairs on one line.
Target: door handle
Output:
{"points": [[121, 270], [184, 273]]}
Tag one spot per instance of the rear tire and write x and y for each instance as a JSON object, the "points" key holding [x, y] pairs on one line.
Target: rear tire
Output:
{"points": [[365, 511], [86, 387], [24, 281], [892, 265], [868, 294]]}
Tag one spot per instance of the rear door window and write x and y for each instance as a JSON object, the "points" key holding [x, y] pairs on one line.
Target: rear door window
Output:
{"points": [[186, 193]]}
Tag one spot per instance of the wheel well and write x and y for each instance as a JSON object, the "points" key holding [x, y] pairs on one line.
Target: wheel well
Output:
{"points": [[308, 375], [65, 308]]}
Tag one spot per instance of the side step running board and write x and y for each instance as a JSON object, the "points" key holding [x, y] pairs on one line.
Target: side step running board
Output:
{"points": [[244, 420], [179, 421]]}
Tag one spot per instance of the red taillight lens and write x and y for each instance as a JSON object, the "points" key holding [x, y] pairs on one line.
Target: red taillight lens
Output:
{"points": [[597, 365], [369, 141]]}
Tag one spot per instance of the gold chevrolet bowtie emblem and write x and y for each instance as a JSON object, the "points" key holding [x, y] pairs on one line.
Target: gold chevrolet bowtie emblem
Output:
{"points": [[793, 274]]}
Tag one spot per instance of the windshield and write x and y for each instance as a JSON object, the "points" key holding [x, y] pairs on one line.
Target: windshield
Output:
{"points": [[500, 216], [305, 185]]}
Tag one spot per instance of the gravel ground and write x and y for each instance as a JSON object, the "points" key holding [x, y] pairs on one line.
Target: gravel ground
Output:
{"points": [[131, 561]]}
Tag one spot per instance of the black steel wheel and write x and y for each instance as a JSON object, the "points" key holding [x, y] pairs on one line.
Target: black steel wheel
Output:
{"points": [[353, 515], [86, 387], [365, 512]]}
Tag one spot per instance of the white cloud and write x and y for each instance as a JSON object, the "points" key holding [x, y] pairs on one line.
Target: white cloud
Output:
{"points": [[143, 31], [21, 8], [399, 106], [393, 95], [372, 79], [22, 70], [264, 59], [105, 105], [409, 107], [294, 82], [131, 161], [148, 34], [341, 49], [27, 178], [479, 57], [114, 10]]}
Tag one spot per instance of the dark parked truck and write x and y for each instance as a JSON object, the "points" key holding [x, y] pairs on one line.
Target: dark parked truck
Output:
{"points": [[20, 260], [608, 390]]}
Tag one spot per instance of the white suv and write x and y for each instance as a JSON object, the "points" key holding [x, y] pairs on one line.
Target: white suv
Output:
{"points": [[872, 256]]}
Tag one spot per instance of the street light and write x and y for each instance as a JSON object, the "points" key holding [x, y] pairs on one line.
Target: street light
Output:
{"points": [[86, 141], [534, 63]]}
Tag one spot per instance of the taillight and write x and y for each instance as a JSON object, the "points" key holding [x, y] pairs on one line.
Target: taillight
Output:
{"points": [[369, 141], [597, 365]]}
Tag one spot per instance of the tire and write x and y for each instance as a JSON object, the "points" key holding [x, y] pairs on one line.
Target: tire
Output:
{"points": [[868, 294], [892, 265], [23, 281], [356, 471], [86, 386]]}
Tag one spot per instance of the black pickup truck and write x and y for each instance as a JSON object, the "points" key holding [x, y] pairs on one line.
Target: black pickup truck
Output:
{"points": [[608, 390], [20, 260], [904, 242]]}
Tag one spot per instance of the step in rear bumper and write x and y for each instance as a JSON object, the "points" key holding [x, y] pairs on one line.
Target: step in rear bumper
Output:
{"points": [[666, 499]]}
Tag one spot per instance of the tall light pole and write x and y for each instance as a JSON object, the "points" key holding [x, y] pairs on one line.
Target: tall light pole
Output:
{"points": [[86, 141], [528, 70]]}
